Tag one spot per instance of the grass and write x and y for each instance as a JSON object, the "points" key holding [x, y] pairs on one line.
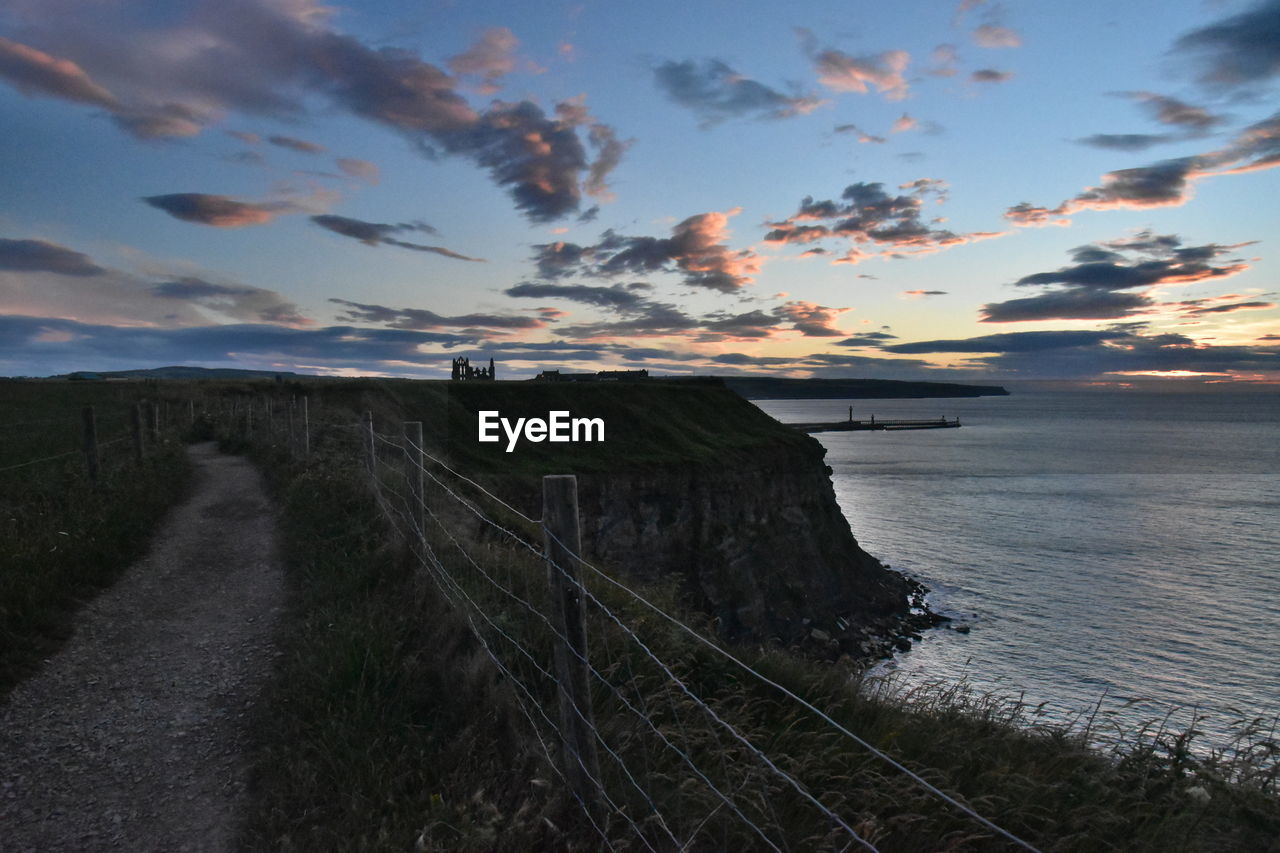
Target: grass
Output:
{"points": [[67, 538], [389, 727]]}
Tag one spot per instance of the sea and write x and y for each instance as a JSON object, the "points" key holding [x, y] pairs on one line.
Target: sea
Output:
{"points": [[1115, 555]]}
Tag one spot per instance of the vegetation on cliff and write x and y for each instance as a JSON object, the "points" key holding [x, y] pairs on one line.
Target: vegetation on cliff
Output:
{"points": [[390, 727], [66, 537]]}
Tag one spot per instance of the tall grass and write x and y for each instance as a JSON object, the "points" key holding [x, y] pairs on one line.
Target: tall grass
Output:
{"points": [[389, 727], [66, 538]]}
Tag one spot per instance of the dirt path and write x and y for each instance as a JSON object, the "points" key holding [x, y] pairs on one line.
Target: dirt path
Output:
{"points": [[134, 736]]}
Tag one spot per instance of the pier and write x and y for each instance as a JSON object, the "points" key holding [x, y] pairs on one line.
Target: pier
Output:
{"points": [[873, 424]]}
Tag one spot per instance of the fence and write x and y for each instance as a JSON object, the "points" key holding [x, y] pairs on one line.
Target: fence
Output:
{"points": [[661, 737]]}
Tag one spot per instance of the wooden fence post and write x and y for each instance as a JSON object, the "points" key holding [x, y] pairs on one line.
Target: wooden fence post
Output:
{"points": [[370, 451], [577, 724], [91, 443], [155, 422], [414, 473], [135, 422], [191, 413], [293, 441], [306, 429]]}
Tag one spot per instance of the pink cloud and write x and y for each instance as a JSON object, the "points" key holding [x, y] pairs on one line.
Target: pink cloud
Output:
{"points": [[34, 70], [362, 169], [995, 37], [885, 72]]}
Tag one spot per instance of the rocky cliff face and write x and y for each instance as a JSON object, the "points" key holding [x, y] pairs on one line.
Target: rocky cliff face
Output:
{"points": [[758, 542]]}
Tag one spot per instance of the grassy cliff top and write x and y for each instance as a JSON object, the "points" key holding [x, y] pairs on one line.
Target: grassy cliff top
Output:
{"points": [[647, 424]]}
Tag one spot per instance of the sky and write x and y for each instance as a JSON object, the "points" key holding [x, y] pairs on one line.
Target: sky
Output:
{"points": [[947, 190]]}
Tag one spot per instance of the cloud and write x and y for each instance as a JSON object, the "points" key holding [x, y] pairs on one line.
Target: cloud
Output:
{"points": [[299, 145], [279, 59], [715, 92], [1237, 51], [616, 296], [1157, 263], [491, 58], [1073, 303], [862, 136], [1090, 289], [419, 319], [1007, 342], [1073, 354], [43, 279], [1167, 182], [811, 319], [44, 345], [609, 151], [1191, 120], [697, 249], [238, 302], [867, 339], [218, 210], [944, 58], [1128, 141], [919, 294], [41, 256], [1204, 307], [992, 36], [868, 215], [904, 123], [362, 169], [991, 75], [649, 319], [841, 72], [375, 233], [1175, 112], [34, 71]]}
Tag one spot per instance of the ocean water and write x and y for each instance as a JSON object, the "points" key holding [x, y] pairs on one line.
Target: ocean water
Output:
{"points": [[1103, 546]]}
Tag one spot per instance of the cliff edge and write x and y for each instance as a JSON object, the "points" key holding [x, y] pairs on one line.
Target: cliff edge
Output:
{"points": [[692, 483]]}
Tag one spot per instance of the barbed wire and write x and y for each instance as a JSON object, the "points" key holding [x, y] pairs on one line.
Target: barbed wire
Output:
{"points": [[407, 444], [475, 631], [595, 672], [38, 461], [697, 700]]}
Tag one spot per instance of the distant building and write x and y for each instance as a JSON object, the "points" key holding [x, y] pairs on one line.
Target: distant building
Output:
{"points": [[598, 376], [462, 370]]}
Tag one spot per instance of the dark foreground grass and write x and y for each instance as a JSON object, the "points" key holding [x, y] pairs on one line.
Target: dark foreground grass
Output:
{"points": [[65, 538], [388, 727]]}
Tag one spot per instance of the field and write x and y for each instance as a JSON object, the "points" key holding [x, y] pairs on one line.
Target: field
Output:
{"points": [[66, 536], [414, 703]]}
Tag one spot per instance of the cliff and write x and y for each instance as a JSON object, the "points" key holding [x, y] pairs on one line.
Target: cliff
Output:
{"points": [[691, 483]]}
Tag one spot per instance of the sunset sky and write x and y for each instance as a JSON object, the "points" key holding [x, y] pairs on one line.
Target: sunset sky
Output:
{"points": [[951, 190]]}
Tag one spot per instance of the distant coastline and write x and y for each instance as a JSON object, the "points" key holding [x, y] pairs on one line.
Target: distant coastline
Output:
{"points": [[771, 388]]}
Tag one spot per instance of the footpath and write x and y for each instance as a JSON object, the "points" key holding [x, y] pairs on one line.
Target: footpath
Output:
{"points": [[135, 735]]}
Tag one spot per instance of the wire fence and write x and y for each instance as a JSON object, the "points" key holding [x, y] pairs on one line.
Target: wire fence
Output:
{"points": [[662, 738], [683, 760]]}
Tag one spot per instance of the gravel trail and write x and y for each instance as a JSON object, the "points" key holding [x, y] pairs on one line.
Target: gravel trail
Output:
{"points": [[133, 737]]}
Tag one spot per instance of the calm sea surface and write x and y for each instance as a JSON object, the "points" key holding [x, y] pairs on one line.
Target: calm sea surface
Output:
{"points": [[1100, 544]]}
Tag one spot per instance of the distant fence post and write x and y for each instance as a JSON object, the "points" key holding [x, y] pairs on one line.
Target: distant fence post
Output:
{"points": [[293, 441], [306, 429], [563, 544], [191, 413], [155, 422], [135, 424], [370, 451], [91, 443], [414, 472]]}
